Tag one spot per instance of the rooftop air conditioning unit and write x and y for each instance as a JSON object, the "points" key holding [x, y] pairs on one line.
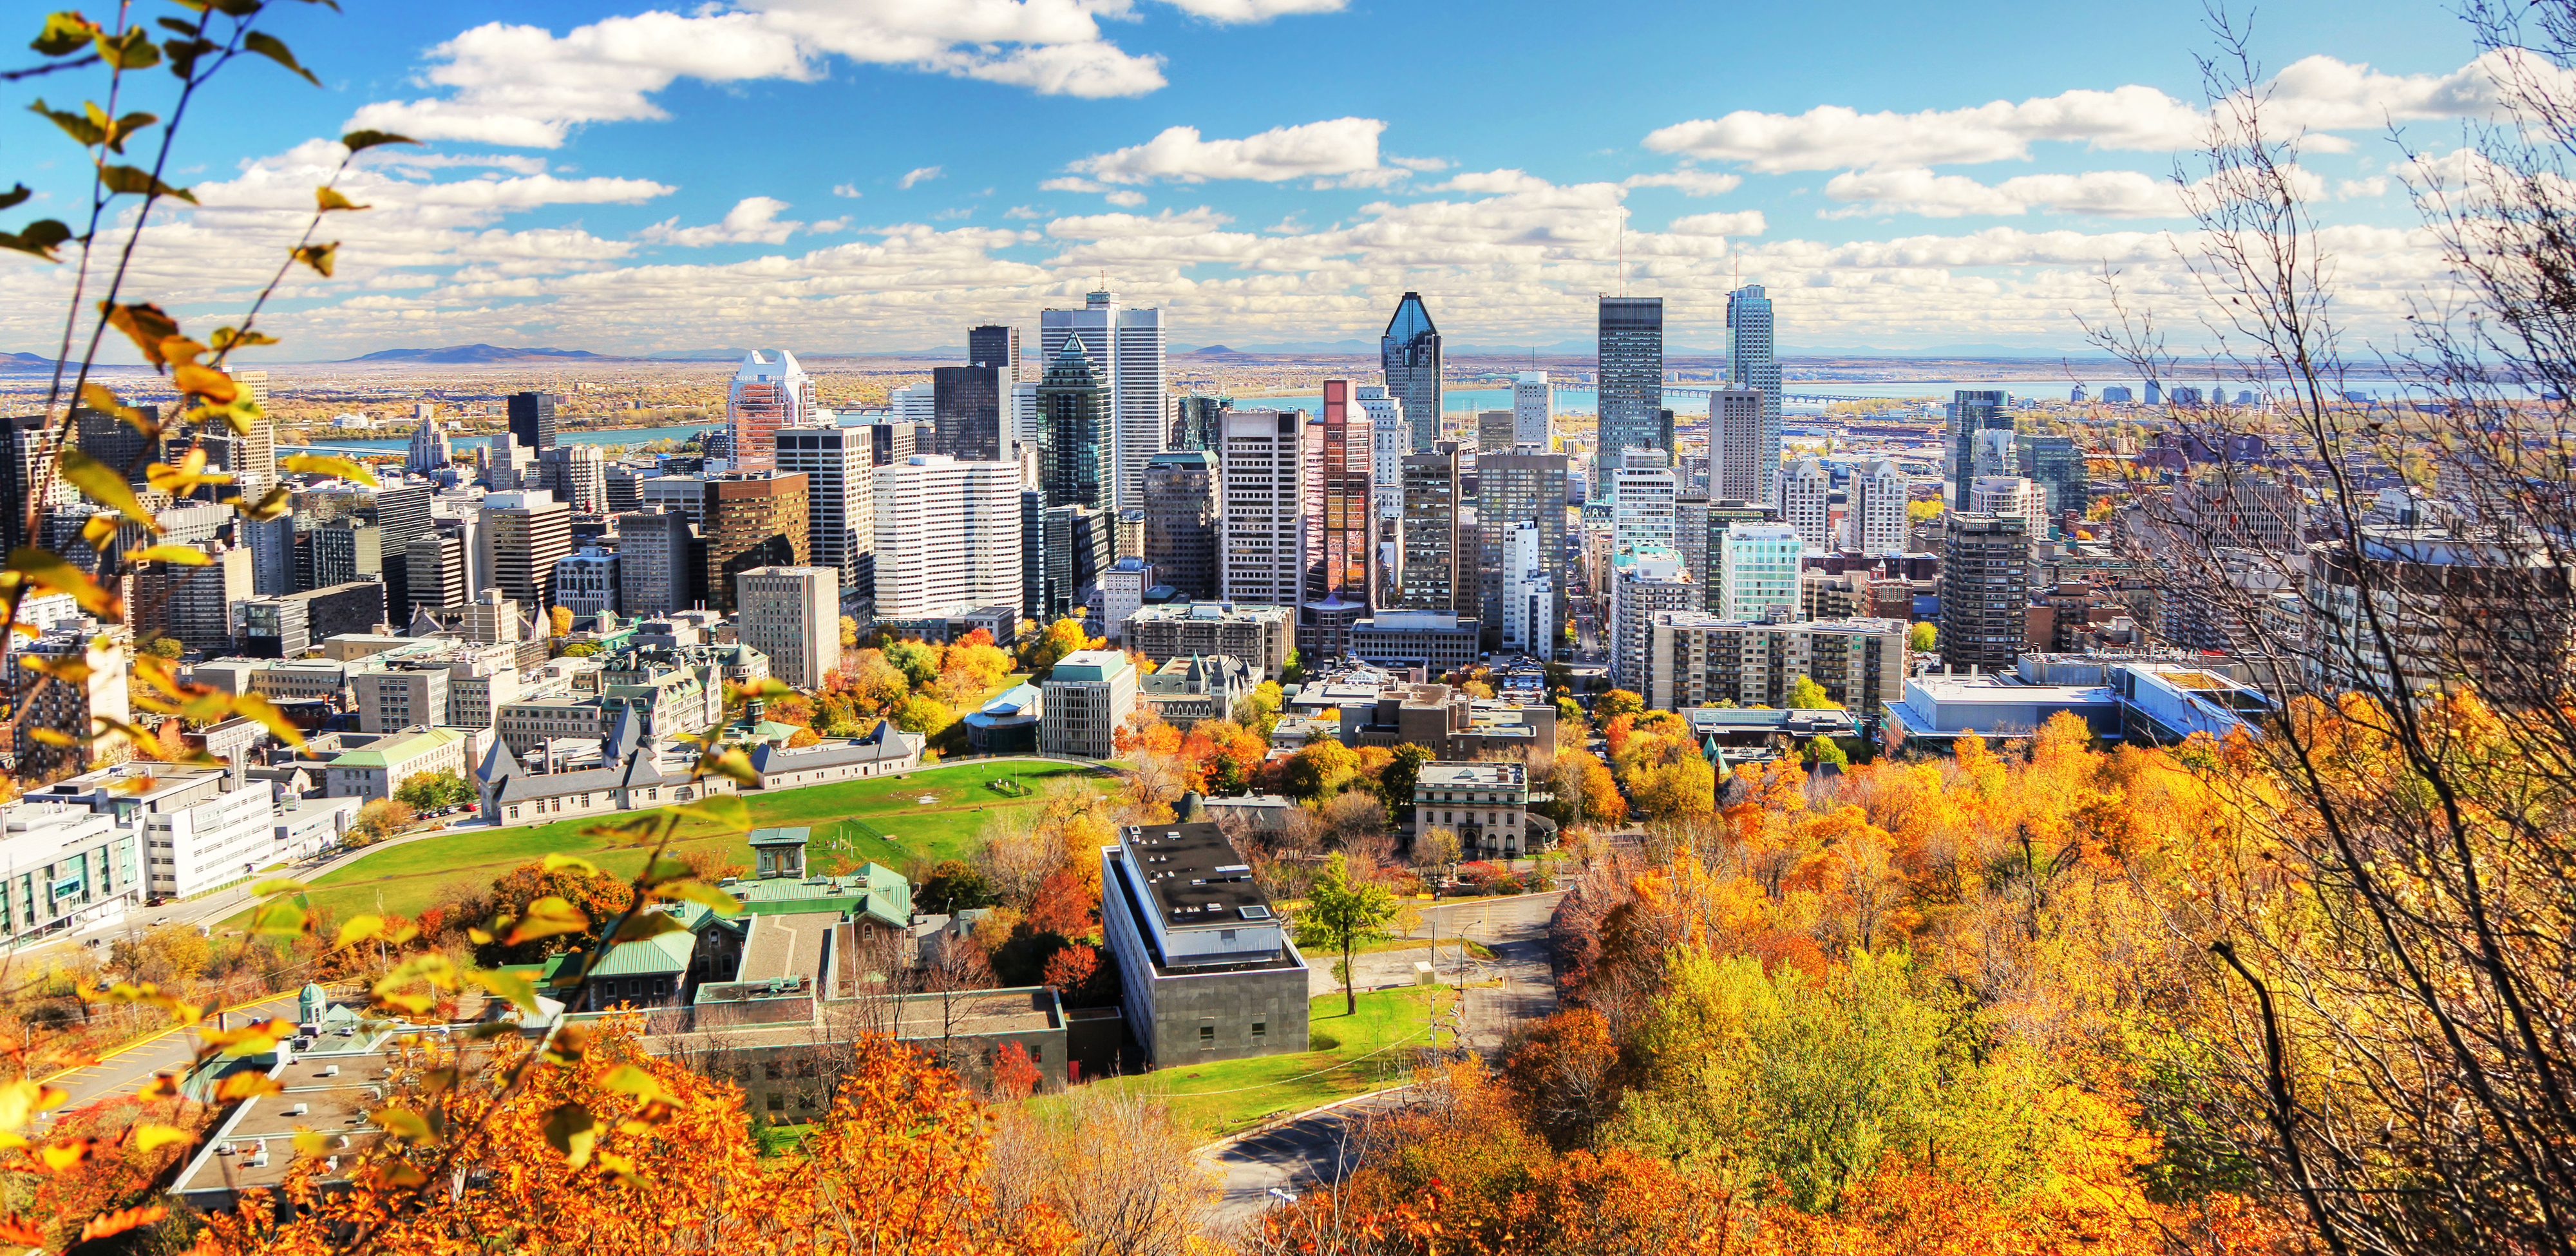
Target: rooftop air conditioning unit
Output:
{"points": [[296, 1110]]}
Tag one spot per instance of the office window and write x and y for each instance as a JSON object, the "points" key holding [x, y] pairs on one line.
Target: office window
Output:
{"points": [[771, 1070]]}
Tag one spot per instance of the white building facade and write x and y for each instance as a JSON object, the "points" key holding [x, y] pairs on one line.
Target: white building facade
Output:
{"points": [[948, 536]]}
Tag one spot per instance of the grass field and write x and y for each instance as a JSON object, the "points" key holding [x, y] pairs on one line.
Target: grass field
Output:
{"points": [[1214, 1100], [884, 819]]}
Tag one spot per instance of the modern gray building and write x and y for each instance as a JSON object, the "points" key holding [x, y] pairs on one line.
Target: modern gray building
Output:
{"points": [[532, 419], [1751, 363], [1431, 572], [839, 467], [1409, 353], [993, 345], [966, 408], [1630, 391], [1985, 590], [1972, 410], [653, 568], [1206, 967], [1181, 520], [1510, 488], [2055, 464]]}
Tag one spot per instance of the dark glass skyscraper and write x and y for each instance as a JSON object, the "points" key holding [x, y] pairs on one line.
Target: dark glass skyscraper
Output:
{"points": [[1972, 411], [1199, 423], [1409, 353], [1631, 382], [532, 419], [995, 346], [1073, 431], [966, 407]]}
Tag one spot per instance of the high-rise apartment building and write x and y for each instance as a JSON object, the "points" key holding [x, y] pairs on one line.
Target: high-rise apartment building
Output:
{"points": [[68, 708], [434, 566], [1533, 409], [1433, 578], [1510, 488], [532, 420], [770, 390], [1735, 468], [525, 533], [1409, 354], [1529, 596], [1806, 502], [2010, 495], [1127, 348], [654, 576], [1261, 559], [1696, 660], [1630, 392], [793, 615], [1181, 521], [1651, 581], [948, 536], [1341, 531], [1971, 411], [754, 519], [995, 346], [966, 409], [1758, 572], [1877, 499], [1642, 494], [1752, 363], [840, 498], [429, 450], [1985, 590], [2054, 463]]}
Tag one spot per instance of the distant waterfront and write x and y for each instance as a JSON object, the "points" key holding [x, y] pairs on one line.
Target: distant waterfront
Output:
{"points": [[587, 436]]}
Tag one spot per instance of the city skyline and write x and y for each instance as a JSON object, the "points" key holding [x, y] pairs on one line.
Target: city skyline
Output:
{"points": [[608, 203]]}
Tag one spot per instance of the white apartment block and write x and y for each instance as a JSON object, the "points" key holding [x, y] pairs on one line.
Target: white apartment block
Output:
{"points": [[1806, 491], [1533, 409], [1390, 439], [1878, 496], [1655, 582], [2007, 495], [1262, 501], [1088, 697], [1642, 492], [198, 827], [1758, 572], [1696, 659], [948, 536], [1529, 593], [793, 615]]}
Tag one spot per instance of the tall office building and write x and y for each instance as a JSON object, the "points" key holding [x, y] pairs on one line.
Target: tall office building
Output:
{"points": [[995, 346], [1126, 348], [1533, 409], [577, 475], [1758, 572], [654, 576], [1198, 422], [345, 530], [1433, 579], [1409, 353], [2057, 465], [1642, 493], [948, 536], [525, 533], [435, 570], [1342, 531], [769, 391], [1181, 521], [1972, 411], [1806, 492], [793, 615], [532, 420], [1752, 363], [840, 498], [1263, 481], [1630, 394], [966, 408], [1511, 488], [682, 495], [1076, 429], [1877, 501], [754, 519], [1735, 468], [1985, 590]]}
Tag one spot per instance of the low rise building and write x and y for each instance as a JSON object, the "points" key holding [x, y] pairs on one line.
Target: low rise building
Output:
{"points": [[1937, 710], [201, 827], [1089, 696], [1007, 723], [66, 867], [379, 769], [1259, 635], [1201, 687], [1206, 968], [1450, 723], [1485, 804], [1437, 642], [1695, 659]]}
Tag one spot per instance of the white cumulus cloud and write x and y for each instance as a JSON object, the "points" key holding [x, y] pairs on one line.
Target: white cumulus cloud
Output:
{"points": [[920, 175], [753, 220], [1338, 147]]}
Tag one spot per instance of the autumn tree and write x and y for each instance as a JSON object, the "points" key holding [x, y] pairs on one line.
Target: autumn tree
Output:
{"points": [[1342, 915]]}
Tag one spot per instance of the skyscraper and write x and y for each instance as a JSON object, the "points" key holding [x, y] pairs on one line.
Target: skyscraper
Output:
{"points": [[525, 534], [948, 536], [1642, 493], [966, 409], [1496, 430], [1511, 488], [1409, 353], [1390, 440], [1985, 590], [1181, 521], [1751, 363], [793, 615], [1126, 348], [532, 419], [1341, 528], [754, 519], [995, 346], [1260, 558], [1196, 423], [840, 498], [770, 391], [2057, 465], [1631, 388], [1735, 469], [1971, 411], [1075, 432], [1533, 409], [1433, 578]]}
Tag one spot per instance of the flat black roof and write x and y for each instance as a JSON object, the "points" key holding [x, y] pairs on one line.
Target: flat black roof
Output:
{"points": [[1197, 877]]}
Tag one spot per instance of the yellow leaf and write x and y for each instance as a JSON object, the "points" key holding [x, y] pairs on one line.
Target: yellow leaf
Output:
{"points": [[245, 1085], [327, 199], [145, 324], [570, 1130], [62, 1156], [358, 928], [631, 1080], [269, 506], [105, 485], [277, 918], [319, 256], [324, 464], [204, 381], [520, 989], [151, 1138], [48, 570], [716, 900], [646, 924], [175, 555], [278, 885], [559, 862], [545, 918], [253, 706]]}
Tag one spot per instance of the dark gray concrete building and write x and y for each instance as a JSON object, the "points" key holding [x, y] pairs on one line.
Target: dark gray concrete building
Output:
{"points": [[1207, 969]]}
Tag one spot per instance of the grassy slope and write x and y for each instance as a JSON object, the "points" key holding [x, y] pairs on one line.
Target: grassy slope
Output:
{"points": [[877, 819], [1213, 1100]]}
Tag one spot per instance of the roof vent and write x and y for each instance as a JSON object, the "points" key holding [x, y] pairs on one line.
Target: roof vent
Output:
{"points": [[1256, 911]]}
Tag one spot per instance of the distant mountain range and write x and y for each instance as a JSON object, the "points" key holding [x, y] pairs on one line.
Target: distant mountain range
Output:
{"points": [[25, 362], [468, 355]]}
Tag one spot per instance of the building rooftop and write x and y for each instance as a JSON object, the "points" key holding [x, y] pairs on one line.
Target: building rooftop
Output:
{"points": [[1471, 776], [1090, 667], [1196, 877]]}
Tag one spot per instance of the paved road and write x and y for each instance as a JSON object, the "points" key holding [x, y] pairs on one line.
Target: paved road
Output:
{"points": [[1501, 993]]}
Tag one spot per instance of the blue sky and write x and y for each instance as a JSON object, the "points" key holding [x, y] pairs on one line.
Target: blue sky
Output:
{"points": [[872, 175]]}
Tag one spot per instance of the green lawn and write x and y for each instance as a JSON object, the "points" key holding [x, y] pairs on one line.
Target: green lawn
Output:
{"points": [[882, 819], [1214, 1100]]}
